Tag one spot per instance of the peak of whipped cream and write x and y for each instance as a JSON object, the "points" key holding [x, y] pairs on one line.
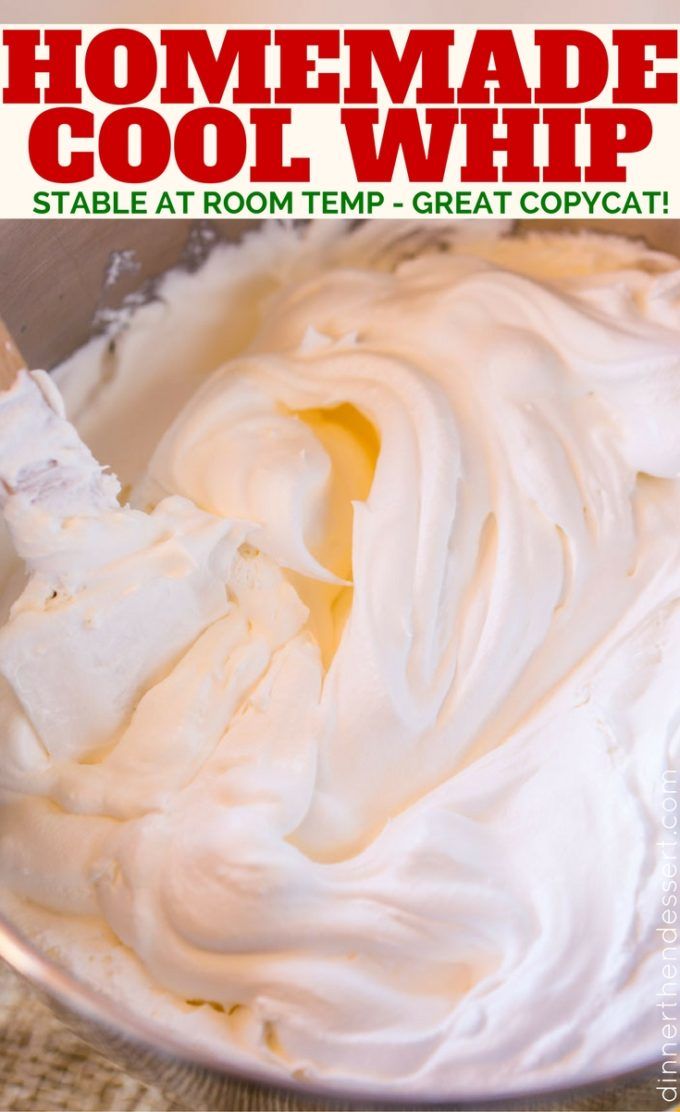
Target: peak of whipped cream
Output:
{"points": [[339, 747]]}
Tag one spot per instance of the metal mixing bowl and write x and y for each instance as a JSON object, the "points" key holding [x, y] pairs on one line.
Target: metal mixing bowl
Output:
{"points": [[51, 289]]}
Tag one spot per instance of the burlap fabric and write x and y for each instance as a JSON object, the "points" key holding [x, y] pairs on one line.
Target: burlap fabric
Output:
{"points": [[45, 1067]]}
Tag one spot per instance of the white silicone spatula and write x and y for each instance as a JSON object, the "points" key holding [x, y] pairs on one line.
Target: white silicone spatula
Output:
{"points": [[11, 359]]}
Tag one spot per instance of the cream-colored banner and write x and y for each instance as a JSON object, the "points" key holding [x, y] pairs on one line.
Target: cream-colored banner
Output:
{"points": [[390, 121]]}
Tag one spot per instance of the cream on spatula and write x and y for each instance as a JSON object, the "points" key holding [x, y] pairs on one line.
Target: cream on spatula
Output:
{"points": [[115, 596]]}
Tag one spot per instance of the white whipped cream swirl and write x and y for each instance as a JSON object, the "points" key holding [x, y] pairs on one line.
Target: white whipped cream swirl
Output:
{"points": [[353, 730]]}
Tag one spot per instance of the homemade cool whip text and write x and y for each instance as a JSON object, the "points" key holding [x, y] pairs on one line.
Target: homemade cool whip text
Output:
{"points": [[339, 748], [550, 90]]}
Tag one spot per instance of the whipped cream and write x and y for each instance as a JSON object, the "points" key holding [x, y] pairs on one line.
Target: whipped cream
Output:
{"points": [[335, 742]]}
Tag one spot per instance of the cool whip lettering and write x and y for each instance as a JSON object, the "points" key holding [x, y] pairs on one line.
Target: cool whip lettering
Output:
{"points": [[562, 105]]}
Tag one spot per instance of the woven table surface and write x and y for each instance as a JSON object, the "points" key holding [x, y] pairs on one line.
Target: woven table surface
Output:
{"points": [[43, 1066]]}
